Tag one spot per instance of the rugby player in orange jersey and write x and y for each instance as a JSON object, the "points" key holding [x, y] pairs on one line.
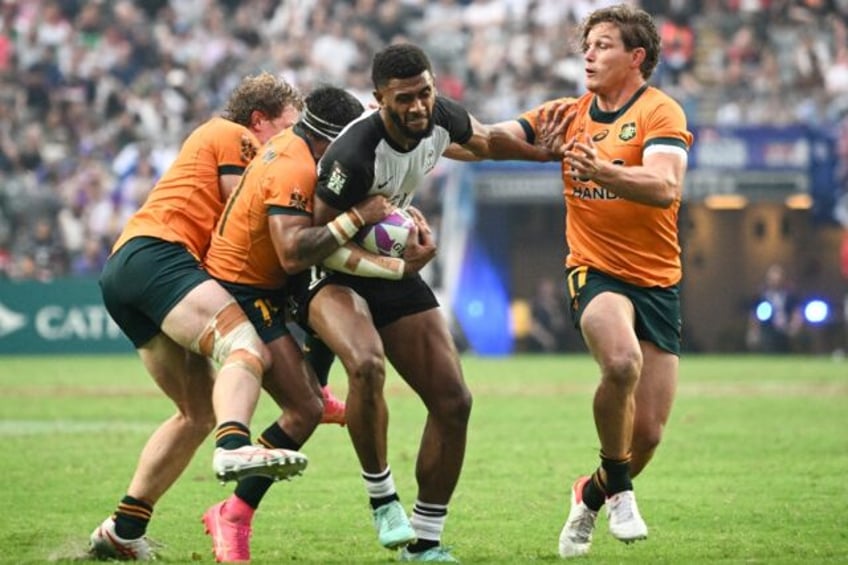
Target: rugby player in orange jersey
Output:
{"points": [[178, 318], [264, 237], [623, 171]]}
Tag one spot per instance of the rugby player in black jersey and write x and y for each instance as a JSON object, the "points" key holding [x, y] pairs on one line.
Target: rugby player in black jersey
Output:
{"points": [[367, 312]]}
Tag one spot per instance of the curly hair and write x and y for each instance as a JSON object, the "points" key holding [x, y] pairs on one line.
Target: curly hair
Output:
{"points": [[263, 92], [637, 30], [402, 60]]}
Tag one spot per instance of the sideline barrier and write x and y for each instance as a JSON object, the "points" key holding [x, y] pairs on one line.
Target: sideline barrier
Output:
{"points": [[62, 316]]}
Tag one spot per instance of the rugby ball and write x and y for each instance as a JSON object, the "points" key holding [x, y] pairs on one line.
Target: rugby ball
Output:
{"points": [[387, 237]]}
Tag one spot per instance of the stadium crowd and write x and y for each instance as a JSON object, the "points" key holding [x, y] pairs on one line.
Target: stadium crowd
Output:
{"points": [[96, 96]]}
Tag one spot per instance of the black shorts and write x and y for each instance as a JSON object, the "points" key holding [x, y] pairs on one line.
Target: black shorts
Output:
{"points": [[657, 308], [266, 309], [387, 300], [143, 281]]}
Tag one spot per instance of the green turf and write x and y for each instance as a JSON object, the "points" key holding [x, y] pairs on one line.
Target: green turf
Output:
{"points": [[752, 470]]}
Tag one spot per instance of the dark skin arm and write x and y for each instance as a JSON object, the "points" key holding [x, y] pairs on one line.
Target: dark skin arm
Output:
{"points": [[420, 248], [300, 244], [507, 140]]}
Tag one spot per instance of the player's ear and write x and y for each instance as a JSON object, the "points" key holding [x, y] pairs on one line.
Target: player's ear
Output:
{"points": [[638, 56], [378, 96], [256, 117], [320, 147]]}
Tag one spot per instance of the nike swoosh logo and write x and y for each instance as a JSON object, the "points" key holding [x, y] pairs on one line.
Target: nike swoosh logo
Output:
{"points": [[383, 184]]}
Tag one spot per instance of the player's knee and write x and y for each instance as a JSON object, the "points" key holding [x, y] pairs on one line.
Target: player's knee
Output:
{"points": [[201, 418], [195, 422], [201, 425], [453, 405], [231, 340], [196, 406], [305, 415], [254, 358], [622, 368], [461, 406], [365, 367]]}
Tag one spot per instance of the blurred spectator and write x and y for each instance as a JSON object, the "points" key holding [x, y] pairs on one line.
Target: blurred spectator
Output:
{"points": [[107, 215], [842, 217], [70, 222], [6, 258], [85, 84], [811, 58], [844, 254], [391, 20], [678, 47], [742, 57], [43, 255], [836, 75], [23, 268], [136, 174], [549, 324], [776, 318], [334, 53], [442, 28], [29, 151], [519, 317], [90, 261]]}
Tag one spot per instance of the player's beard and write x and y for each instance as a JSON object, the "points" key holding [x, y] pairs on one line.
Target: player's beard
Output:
{"points": [[409, 133]]}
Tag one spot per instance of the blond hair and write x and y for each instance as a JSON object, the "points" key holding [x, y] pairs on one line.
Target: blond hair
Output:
{"points": [[264, 92]]}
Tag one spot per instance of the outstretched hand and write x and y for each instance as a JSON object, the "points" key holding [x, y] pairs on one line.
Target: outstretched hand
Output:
{"points": [[552, 121]]}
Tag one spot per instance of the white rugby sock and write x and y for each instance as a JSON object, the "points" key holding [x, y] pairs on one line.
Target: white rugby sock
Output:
{"points": [[428, 520], [380, 485]]}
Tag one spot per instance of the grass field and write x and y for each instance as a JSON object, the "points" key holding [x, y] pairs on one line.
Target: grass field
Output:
{"points": [[753, 468]]}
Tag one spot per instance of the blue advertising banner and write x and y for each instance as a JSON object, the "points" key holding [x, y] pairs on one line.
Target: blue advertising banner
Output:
{"points": [[801, 150], [772, 148]]}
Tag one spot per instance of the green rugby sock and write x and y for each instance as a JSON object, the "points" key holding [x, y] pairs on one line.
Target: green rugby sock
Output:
{"points": [[252, 489], [232, 435], [131, 517]]}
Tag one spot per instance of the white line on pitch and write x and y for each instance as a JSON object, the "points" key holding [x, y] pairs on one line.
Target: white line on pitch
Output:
{"points": [[41, 427]]}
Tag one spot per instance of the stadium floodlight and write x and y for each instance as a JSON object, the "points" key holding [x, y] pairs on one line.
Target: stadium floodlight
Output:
{"points": [[764, 311], [816, 311]]}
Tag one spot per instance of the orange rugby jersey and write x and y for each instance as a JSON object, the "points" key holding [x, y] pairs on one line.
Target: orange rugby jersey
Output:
{"points": [[186, 202], [628, 240], [280, 180]]}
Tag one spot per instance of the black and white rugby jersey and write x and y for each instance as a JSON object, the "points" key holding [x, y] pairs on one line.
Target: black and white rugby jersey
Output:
{"points": [[363, 160]]}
